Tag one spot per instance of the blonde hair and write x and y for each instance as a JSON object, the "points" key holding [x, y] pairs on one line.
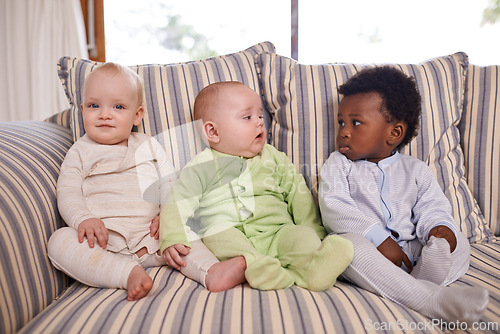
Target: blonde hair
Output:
{"points": [[208, 99], [114, 68]]}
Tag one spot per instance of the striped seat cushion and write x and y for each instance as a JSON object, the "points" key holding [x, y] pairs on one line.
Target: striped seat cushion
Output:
{"points": [[480, 120], [169, 92], [303, 102], [30, 156], [179, 305]]}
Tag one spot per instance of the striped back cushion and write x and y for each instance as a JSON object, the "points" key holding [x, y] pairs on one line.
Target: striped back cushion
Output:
{"points": [[30, 156], [62, 118], [303, 102], [169, 92], [481, 144]]}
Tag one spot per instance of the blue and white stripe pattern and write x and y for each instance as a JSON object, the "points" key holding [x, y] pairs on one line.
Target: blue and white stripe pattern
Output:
{"points": [[480, 120], [31, 153], [303, 101], [177, 304]]}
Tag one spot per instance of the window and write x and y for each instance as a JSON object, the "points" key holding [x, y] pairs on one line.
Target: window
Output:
{"points": [[396, 31], [165, 31]]}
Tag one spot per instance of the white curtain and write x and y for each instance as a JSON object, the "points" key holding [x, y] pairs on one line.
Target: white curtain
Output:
{"points": [[34, 34]]}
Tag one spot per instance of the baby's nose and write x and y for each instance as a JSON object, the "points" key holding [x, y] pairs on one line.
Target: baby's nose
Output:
{"points": [[344, 133], [104, 113]]}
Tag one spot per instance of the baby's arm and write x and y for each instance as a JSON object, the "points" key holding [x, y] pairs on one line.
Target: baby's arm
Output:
{"points": [[93, 227], [71, 201], [172, 255], [393, 252], [445, 232], [300, 201], [432, 212], [180, 206]]}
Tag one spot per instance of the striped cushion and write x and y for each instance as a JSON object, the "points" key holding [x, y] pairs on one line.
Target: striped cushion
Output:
{"points": [[303, 102], [62, 118], [30, 156], [481, 117], [179, 305], [169, 92]]}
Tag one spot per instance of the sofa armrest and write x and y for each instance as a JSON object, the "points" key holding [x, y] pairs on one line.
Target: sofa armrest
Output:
{"points": [[31, 153]]}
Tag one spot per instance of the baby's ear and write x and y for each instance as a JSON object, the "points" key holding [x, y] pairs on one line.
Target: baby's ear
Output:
{"points": [[210, 132], [397, 134], [139, 114]]}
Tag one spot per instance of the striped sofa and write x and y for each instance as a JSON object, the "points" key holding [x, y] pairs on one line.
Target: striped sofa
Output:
{"points": [[461, 111]]}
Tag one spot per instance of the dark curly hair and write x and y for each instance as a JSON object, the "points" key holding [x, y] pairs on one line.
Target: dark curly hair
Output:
{"points": [[401, 100]]}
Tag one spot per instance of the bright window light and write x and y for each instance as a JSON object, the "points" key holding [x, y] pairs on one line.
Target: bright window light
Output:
{"points": [[395, 31], [167, 31], [355, 31]]}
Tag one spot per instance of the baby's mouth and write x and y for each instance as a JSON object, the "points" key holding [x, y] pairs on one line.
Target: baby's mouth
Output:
{"points": [[344, 149]]}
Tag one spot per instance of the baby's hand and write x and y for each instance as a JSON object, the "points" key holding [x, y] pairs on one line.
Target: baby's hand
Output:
{"points": [[93, 227], [392, 251], [155, 227], [445, 232], [172, 255]]}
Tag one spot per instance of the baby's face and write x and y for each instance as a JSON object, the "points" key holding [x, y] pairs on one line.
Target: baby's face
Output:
{"points": [[239, 122], [363, 129], [110, 108]]}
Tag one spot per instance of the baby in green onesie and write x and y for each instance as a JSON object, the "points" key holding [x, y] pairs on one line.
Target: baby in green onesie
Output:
{"points": [[242, 197]]}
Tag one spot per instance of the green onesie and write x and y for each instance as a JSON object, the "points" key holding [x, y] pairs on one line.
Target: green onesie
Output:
{"points": [[259, 208]]}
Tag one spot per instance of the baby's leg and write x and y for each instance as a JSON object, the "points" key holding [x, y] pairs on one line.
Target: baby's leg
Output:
{"points": [[226, 274], [314, 264], [199, 261], [460, 259], [262, 272], [436, 264], [138, 283], [92, 266], [373, 272], [434, 260]]}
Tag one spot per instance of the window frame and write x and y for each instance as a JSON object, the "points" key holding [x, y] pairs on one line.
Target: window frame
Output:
{"points": [[97, 52]]}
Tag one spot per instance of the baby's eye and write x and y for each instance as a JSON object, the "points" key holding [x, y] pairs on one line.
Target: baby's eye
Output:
{"points": [[93, 105], [341, 123], [247, 117], [356, 123], [119, 107]]}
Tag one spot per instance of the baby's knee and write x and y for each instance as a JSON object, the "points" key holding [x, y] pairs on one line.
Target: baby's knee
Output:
{"points": [[60, 240], [463, 245], [460, 259], [300, 232], [299, 238]]}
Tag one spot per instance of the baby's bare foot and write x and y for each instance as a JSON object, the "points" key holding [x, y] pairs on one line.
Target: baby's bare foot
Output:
{"points": [[226, 275], [138, 284]]}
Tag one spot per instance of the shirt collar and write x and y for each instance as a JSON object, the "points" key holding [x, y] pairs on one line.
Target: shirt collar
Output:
{"points": [[391, 159]]}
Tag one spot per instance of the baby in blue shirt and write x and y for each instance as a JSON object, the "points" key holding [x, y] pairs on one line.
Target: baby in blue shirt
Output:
{"points": [[407, 246]]}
